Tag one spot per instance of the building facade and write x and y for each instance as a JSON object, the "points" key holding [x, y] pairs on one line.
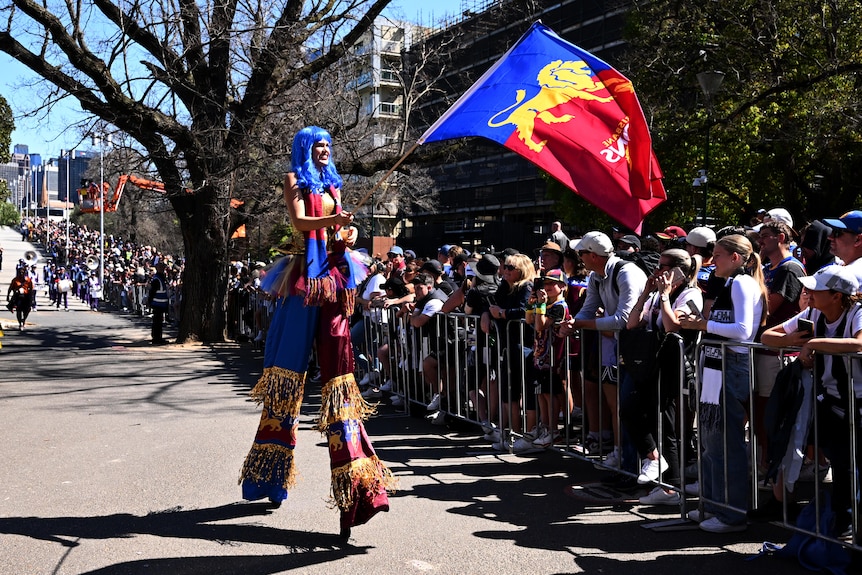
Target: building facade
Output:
{"points": [[490, 197]]}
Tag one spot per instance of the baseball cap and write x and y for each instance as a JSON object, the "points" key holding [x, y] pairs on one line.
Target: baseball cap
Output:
{"points": [[780, 215], [700, 237], [396, 250], [444, 249], [594, 242], [851, 221], [671, 233], [555, 275], [396, 284], [631, 240], [410, 253], [432, 266], [834, 277]]}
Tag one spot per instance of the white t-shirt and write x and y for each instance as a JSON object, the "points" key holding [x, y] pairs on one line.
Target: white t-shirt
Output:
{"points": [[692, 294], [851, 328], [375, 284]]}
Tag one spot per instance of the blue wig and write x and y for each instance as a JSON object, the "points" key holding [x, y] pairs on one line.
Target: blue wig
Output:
{"points": [[308, 176]]}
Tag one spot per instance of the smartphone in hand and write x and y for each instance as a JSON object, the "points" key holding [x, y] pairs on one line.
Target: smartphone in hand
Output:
{"points": [[806, 325], [693, 308]]}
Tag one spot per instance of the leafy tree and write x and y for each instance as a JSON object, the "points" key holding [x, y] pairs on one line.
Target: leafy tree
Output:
{"points": [[193, 83], [785, 126], [7, 126]]}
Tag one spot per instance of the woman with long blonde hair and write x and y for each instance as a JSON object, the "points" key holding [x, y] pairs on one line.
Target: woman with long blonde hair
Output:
{"points": [[511, 304], [736, 315]]}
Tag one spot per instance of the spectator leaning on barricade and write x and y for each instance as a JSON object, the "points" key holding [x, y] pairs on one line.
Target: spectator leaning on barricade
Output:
{"points": [[655, 376], [420, 314], [781, 273], [547, 368], [837, 321], [362, 332], [576, 291], [739, 309], [614, 287], [389, 352], [479, 292], [507, 311]]}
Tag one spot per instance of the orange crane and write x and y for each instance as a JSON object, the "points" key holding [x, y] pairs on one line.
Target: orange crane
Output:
{"points": [[91, 199]]}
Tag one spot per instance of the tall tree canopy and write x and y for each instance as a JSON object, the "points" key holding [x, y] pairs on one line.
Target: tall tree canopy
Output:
{"points": [[191, 83], [786, 126]]}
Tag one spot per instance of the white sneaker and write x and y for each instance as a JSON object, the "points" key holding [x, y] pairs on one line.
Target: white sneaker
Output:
{"points": [[696, 516], [438, 418], [546, 439], [692, 488], [368, 378], [716, 525], [652, 470], [372, 393], [435, 403], [523, 445], [659, 496], [612, 460], [387, 386], [493, 436], [534, 433], [397, 400]]}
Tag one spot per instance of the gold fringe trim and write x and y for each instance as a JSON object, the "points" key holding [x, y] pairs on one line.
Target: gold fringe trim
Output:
{"points": [[263, 458], [341, 400], [368, 473], [280, 390], [320, 290], [348, 301]]}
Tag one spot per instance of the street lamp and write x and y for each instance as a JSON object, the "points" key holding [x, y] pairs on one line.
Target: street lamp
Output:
{"points": [[710, 83]]}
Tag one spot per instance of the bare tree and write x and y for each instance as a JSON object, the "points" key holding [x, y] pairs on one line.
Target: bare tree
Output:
{"points": [[192, 83]]}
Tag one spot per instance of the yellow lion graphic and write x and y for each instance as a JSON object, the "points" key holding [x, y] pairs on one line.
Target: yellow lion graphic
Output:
{"points": [[560, 82]]}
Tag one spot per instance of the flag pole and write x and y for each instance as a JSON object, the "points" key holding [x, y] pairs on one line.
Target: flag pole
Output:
{"points": [[384, 178]]}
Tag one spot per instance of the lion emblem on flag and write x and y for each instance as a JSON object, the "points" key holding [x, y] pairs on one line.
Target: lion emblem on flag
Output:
{"points": [[560, 83]]}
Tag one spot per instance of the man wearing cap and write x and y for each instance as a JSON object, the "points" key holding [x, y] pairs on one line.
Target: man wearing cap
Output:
{"points": [[443, 258], [845, 241], [614, 287], [837, 329], [699, 244], [629, 243], [441, 280], [396, 260]]}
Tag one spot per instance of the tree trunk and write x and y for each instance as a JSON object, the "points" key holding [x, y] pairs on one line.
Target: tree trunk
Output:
{"points": [[204, 225]]}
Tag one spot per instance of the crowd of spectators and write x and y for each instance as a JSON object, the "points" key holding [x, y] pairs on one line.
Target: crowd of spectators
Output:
{"points": [[607, 302]]}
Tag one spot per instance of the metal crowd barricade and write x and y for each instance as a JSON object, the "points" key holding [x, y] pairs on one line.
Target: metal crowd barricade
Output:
{"points": [[812, 439]]}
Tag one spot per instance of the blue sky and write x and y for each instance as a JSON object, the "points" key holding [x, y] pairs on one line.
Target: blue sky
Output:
{"points": [[47, 136]]}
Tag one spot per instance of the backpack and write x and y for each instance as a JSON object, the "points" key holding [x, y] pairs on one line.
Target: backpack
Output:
{"points": [[813, 553], [781, 412]]}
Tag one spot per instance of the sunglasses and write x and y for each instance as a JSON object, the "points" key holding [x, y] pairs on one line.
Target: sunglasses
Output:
{"points": [[583, 252], [509, 267], [838, 232]]}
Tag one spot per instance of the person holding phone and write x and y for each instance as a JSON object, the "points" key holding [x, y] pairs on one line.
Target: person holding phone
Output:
{"points": [[670, 293], [831, 325]]}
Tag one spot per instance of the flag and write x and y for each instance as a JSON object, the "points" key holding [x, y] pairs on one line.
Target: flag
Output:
{"points": [[239, 233], [569, 113]]}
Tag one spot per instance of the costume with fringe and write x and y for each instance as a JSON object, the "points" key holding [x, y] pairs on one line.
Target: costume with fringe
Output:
{"points": [[314, 299]]}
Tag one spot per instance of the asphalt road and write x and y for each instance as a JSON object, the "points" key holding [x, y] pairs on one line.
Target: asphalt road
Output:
{"points": [[122, 458]]}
